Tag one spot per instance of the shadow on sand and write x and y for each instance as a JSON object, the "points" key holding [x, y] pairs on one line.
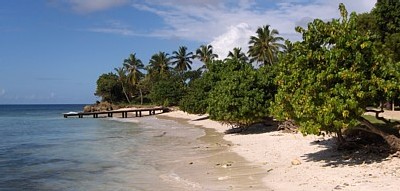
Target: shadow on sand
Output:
{"points": [[356, 151], [351, 154], [258, 128]]}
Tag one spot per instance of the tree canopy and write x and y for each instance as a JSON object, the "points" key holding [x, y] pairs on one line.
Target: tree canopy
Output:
{"points": [[241, 97], [329, 78], [109, 88], [182, 59], [264, 47]]}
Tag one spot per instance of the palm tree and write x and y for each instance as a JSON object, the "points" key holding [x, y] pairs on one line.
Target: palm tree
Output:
{"points": [[181, 59], [237, 54], [205, 54], [133, 66], [122, 78], [288, 47], [264, 47], [159, 63]]}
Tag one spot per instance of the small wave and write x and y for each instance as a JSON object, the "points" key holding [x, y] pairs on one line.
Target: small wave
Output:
{"points": [[180, 182], [124, 120]]}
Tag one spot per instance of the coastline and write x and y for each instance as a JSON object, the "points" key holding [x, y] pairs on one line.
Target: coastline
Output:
{"points": [[190, 160], [295, 162]]}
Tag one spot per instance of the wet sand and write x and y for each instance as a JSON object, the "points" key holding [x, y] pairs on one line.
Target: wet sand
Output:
{"points": [[295, 162], [215, 167], [191, 157]]}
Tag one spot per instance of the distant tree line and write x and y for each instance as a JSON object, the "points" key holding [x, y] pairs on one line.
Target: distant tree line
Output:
{"points": [[325, 82]]}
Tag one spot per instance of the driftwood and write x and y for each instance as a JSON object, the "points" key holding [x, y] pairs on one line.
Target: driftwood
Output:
{"points": [[288, 126]]}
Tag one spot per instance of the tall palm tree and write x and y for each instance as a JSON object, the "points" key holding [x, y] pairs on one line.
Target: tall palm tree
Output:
{"points": [[181, 59], [237, 54], [133, 66], [159, 63], [205, 54], [264, 47], [122, 78]]}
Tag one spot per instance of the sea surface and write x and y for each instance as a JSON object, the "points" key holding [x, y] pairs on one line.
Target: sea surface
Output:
{"points": [[41, 150]]}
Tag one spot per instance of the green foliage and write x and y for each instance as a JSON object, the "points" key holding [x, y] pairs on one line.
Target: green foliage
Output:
{"points": [[159, 64], [133, 66], [109, 88], [387, 14], [327, 80], [241, 97], [168, 91], [237, 54], [366, 22], [264, 47], [182, 59], [123, 79], [205, 54], [191, 76], [195, 99]]}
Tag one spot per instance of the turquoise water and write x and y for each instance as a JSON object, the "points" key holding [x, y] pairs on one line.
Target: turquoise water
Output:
{"points": [[40, 150]]}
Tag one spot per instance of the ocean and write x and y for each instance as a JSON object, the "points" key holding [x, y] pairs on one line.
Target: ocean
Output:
{"points": [[41, 150]]}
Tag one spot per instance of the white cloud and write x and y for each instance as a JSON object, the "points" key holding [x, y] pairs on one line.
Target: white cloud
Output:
{"points": [[236, 36], [87, 6], [114, 27], [2, 92], [229, 24]]}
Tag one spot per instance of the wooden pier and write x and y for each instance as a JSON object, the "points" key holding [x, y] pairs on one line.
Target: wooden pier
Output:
{"points": [[138, 112]]}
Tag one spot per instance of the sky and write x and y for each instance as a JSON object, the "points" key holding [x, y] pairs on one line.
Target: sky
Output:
{"points": [[53, 51]]}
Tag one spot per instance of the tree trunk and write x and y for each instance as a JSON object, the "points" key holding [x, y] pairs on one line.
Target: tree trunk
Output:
{"points": [[392, 104], [126, 95], [340, 138], [141, 96], [392, 140]]}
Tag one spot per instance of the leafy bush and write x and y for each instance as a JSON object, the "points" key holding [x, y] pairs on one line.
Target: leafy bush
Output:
{"points": [[109, 88], [243, 94], [168, 91]]}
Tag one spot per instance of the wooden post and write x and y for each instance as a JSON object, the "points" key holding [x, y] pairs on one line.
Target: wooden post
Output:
{"points": [[392, 105], [140, 113], [136, 113]]}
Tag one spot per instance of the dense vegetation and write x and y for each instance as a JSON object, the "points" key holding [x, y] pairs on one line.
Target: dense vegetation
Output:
{"points": [[325, 82]]}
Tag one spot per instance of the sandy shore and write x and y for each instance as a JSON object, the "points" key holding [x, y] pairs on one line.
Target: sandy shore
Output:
{"points": [[295, 162]]}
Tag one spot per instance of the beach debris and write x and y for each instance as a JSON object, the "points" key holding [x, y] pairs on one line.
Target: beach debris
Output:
{"points": [[164, 133], [296, 162], [226, 165], [223, 178], [191, 163], [288, 126]]}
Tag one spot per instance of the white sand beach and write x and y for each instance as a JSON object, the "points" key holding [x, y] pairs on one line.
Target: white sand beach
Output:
{"points": [[295, 162]]}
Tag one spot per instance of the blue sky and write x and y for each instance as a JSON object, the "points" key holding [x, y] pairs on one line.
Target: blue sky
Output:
{"points": [[52, 51]]}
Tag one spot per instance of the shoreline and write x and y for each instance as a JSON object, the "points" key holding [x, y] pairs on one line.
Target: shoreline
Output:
{"points": [[295, 162], [202, 161], [216, 167]]}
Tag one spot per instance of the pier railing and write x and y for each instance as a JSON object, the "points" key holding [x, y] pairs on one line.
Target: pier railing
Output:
{"points": [[138, 112]]}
